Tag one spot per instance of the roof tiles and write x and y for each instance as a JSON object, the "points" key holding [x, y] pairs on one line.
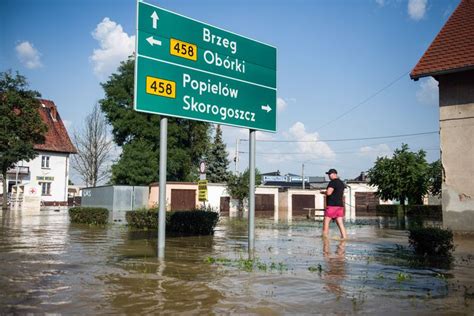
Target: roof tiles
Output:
{"points": [[453, 48], [56, 138]]}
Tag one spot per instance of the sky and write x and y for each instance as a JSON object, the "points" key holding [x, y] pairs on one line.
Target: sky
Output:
{"points": [[342, 70]]}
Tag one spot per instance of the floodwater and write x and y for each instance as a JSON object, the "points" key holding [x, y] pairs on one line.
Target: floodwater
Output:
{"points": [[49, 265]]}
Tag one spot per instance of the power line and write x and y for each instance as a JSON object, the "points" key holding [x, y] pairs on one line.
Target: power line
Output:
{"points": [[343, 139], [364, 101], [336, 152]]}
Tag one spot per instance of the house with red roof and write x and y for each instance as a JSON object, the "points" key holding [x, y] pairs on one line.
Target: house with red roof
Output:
{"points": [[450, 60], [49, 171]]}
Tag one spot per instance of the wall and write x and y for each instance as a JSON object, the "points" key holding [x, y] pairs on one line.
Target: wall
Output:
{"points": [[350, 191], [457, 149], [154, 192]]}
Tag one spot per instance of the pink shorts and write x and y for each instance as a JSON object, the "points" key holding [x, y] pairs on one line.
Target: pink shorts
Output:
{"points": [[334, 211]]}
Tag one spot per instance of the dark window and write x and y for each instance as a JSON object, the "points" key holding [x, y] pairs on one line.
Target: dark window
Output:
{"points": [[44, 161]]}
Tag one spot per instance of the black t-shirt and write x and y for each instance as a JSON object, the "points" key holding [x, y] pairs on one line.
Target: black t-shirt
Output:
{"points": [[335, 199]]}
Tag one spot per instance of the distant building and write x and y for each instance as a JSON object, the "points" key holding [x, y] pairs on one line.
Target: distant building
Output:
{"points": [[50, 169], [450, 60]]}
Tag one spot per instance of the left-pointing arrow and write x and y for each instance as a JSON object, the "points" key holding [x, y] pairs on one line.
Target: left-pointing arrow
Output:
{"points": [[153, 41]]}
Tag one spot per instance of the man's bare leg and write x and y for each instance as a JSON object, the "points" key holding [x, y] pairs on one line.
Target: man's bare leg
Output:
{"points": [[326, 222], [342, 229]]}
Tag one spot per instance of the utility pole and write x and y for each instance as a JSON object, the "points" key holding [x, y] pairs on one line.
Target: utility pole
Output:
{"points": [[302, 174], [236, 159]]}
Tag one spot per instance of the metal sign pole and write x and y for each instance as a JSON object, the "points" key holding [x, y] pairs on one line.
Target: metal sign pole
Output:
{"points": [[252, 191], [162, 194]]}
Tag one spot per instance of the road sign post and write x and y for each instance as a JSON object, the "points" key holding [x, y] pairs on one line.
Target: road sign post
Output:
{"points": [[189, 69]]}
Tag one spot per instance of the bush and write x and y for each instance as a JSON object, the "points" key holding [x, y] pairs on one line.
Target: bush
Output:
{"points": [[425, 211], [192, 223], [143, 218], [389, 210], [89, 215], [195, 222], [435, 243]]}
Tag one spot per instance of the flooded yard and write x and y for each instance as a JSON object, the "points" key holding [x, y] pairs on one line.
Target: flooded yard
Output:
{"points": [[49, 265]]}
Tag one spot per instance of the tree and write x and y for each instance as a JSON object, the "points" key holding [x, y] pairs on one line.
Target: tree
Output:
{"points": [[238, 187], [217, 162], [187, 139], [137, 165], [93, 149], [21, 126], [435, 174], [402, 177]]}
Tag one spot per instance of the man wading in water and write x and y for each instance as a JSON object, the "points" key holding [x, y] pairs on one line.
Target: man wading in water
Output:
{"points": [[335, 204]]}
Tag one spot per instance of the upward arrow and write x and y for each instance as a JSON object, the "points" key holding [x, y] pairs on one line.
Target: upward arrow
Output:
{"points": [[155, 19]]}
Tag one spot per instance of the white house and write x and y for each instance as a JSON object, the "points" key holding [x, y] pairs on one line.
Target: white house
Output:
{"points": [[49, 171]]}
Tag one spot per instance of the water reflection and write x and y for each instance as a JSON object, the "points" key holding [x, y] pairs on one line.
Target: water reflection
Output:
{"points": [[335, 266], [51, 266]]}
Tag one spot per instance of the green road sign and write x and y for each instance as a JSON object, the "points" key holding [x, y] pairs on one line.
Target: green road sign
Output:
{"points": [[189, 69]]}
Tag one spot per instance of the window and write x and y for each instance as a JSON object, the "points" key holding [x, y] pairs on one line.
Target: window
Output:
{"points": [[45, 188], [44, 161]]}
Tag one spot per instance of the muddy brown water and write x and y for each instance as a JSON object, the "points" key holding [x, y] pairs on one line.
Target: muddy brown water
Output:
{"points": [[49, 265]]}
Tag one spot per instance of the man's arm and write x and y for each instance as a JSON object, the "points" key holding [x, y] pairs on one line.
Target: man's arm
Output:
{"points": [[329, 191]]}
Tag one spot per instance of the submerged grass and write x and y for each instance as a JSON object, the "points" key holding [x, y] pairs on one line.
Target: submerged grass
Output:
{"points": [[248, 265]]}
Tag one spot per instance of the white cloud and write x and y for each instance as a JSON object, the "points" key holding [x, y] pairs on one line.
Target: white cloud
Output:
{"points": [[281, 104], [381, 3], [28, 55], [310, 143], [428, 92], [382, 150], [115, 46], [417, 9]]}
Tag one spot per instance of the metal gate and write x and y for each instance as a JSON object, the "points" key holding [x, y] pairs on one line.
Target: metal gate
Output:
{"points": [[264, 205], [366, 203], [224, 206], [183, 200], [300, 202]]}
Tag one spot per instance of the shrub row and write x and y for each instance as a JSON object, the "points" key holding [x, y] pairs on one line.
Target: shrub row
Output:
{"points": [[424, 211], [432, 242], [89, 215], [195, 222]]}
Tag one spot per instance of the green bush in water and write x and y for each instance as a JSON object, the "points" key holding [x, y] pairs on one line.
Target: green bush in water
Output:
{"points": [[425, 211], [389, 210], [195, 222], [432, 242], [89, 215]]}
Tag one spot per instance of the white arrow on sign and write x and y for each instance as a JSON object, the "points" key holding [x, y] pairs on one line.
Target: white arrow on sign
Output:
{"points": [[155, 19], [153, 41], [266, 108]]}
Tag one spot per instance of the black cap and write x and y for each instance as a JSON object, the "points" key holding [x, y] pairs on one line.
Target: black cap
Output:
{"points": [[332, 171]]}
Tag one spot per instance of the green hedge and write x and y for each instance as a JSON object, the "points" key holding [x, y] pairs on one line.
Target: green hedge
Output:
{"points": [[389, 210], [195, 222], [89, 215], [425, 211], [433, 242]]}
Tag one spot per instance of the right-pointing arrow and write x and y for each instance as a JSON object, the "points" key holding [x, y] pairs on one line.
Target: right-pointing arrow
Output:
{"points": [[266, 108], [153, 41]]}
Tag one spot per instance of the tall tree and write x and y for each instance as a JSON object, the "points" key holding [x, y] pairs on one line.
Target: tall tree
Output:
{"points": [[137, 165], [238, 187], [21, 126], [402, 177], [94, 147], [435, 174], [187, 139], [217, 162]]}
